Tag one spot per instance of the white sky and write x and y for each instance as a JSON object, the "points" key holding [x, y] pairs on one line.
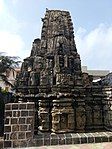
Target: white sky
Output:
{"points": [[20, 24]]}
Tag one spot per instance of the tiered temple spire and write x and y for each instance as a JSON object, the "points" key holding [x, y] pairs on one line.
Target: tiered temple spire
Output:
{"points": [[52, 76]]}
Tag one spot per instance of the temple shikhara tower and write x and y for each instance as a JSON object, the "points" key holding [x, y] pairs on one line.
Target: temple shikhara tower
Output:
{"points": [[65, 99]]}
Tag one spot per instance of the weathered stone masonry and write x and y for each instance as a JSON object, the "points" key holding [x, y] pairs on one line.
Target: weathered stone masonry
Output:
{"points": [[65, 100], [19, 124], [19, 128]]}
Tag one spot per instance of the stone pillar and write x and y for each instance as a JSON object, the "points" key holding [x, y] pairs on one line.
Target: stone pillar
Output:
{"points": [[62, 115], [107, 108], [19, 124], [45, 114]]}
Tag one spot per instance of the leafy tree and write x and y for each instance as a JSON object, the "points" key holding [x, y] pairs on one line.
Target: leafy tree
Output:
{"points": [[7, 64]]}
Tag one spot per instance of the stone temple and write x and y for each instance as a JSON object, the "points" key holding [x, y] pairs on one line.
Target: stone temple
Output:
{"points": [[65, 99]]}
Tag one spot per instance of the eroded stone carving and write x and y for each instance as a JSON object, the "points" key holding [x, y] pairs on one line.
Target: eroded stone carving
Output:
{"points": [[52, 75]]}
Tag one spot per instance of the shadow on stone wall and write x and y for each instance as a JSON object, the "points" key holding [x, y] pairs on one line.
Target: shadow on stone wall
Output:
{"points": [[5, 97]]}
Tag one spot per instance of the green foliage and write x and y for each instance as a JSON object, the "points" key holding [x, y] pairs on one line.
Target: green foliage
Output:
{"points": [[7, 63], [4, 91]]}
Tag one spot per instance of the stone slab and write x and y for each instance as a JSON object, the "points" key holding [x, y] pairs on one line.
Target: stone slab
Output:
{"points": [[71, 138], [77, 146]]}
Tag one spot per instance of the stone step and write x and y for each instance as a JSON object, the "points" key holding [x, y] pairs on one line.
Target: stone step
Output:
{"points": [[70, 138]]}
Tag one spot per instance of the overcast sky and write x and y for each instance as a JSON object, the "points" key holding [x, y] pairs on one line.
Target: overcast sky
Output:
{"points": [[20, 24]]}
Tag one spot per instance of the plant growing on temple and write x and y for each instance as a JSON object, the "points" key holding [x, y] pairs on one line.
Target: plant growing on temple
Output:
{"points": [[7, 64]]}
